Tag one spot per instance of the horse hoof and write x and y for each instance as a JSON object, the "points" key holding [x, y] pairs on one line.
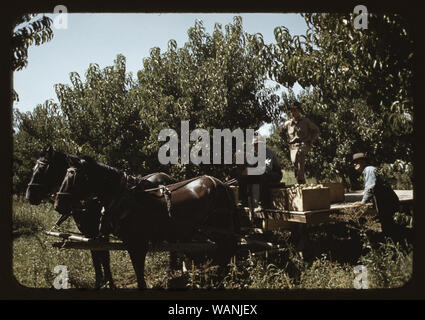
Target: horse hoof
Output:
{"points": [[143, 286]]}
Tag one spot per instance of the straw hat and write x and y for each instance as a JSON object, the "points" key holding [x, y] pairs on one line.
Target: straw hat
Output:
{"points": [[359, 156]]}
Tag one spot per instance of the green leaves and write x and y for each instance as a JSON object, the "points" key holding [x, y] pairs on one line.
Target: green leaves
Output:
{"points": [[214, 81], [362, 80], [27, 33], [358, 90]]}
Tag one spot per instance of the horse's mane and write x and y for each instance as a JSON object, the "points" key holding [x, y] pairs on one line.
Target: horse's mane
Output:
{"points": [[102, 166], [60, 154], [103, 171], [109, 168]]}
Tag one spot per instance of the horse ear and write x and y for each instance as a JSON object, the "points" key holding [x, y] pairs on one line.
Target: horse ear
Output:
{"points": [[48, 152], [88, 159], [74, 161]]}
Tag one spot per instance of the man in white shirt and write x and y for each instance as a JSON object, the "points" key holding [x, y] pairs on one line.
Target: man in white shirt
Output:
{"points": [[302, 132]]}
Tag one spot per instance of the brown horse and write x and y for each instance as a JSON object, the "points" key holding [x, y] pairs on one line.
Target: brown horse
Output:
{"points": [[141, 215], [48, 174]]}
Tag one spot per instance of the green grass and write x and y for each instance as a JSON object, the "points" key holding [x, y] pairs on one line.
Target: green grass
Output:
{"points": [[332, 253], [34, 259]]}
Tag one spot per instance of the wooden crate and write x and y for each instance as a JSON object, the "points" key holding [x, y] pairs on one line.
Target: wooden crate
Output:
{"points": [[275, 224], [308, 199], [337, 191], [278, 198]]}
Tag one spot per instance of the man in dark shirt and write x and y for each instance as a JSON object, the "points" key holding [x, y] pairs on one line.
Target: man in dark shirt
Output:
{"points": [[377, 189], [271, 176]]}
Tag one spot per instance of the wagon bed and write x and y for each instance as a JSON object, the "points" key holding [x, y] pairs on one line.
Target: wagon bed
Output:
{"points": [[323, 215], [270, 218]]}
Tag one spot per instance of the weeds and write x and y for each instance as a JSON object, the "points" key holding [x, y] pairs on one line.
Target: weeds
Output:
{"points": [[389, 264], [333, 252]]}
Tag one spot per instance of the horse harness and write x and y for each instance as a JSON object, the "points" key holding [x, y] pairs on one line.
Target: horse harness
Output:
{"points": [[32, 184], [50, 195], [166, 192]]}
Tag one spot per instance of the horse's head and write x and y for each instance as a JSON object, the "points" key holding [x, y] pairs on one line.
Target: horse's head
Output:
{"points": [[75, 186], [47, 175]]}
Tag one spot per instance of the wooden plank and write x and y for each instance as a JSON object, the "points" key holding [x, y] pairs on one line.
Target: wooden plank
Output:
{"points": [[290, 216], [296, 216], [305, 217], [403, 195], [107, 246], [93, 245], [345, 205], [276, 211], [275, 224], [246, 244], [252, 230], [68, 236], [77, 242], [315, 218]]}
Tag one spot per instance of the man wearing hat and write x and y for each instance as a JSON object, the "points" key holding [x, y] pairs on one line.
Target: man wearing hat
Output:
{"points": [[377, 189], [302, 132], [272, 174]]}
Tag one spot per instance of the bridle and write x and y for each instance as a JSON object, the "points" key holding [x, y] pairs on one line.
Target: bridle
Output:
{"points": [[74, 171], [31, 184], [61, 194], [49, 194]]}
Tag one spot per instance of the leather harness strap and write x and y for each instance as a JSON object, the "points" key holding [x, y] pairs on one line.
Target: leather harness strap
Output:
{"points": [[166, 192], [167, 195], [176, 185]]}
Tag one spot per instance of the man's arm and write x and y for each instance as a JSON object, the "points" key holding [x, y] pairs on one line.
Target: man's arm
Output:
{"points": [[283, 131], [369, 183]]}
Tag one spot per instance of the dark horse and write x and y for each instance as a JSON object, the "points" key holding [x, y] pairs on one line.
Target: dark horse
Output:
{"points": [[48, 174], [137, 216]]}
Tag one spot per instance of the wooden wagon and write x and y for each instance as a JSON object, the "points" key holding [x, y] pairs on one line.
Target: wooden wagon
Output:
{"points": [[311, 217], [257, 220]]}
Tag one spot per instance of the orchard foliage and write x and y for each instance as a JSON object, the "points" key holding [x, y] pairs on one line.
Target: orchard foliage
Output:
{"points": [[214, 81], [359, 87], [28, 31], [32, 132], [102, 115]]}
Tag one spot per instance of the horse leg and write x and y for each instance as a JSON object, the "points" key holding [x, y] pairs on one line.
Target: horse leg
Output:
{"points": [[226, 249], [95, 256], [173, 261], [138, 256], [106, 263]]}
